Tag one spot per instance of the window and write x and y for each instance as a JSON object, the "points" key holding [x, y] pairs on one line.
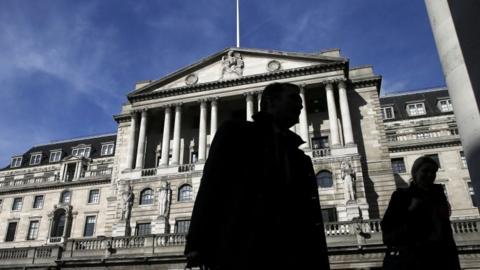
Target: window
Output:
{"points": [[471, 191], [81, 152], [16, 162], [324, 179], [398, 165], [463, 159], [416, 109], [17, 204], [107, 149], [89, 225], [185, 193], [59, 222], [143, 229], [181, 226], [55, 156], [11, 229], [387, 113], [1, 204], [35, 159], [436, 158], [445, 105], [94, 196], [66, 197], [146, 196], [38, 202], [329, 214], [193, 157], [320, 142], [33, 230]]}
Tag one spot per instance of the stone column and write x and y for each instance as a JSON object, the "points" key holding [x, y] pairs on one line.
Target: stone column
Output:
{"points": [[453, 25], [249, 99], [259, 99], [176, 134], [166, 137], [213, 118], [67, 224], [332, 115], [131, 141], [345, 111], [303, 121], [141, 141], [202, 135]]}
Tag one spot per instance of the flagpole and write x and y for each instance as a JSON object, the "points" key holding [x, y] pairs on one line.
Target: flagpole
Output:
{"points": [[238, 25]]}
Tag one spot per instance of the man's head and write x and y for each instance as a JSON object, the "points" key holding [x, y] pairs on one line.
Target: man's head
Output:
{"points": [[283, 102]]}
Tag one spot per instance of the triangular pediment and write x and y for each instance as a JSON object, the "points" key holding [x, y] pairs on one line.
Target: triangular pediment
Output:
{"points": [[72, 158], [233, 63]]}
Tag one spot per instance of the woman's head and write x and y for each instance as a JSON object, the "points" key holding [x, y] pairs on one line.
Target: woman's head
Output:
{"points": [[424, 171]]}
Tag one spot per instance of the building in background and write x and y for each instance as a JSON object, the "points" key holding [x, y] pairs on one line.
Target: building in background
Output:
{"points": [[130, 195]]}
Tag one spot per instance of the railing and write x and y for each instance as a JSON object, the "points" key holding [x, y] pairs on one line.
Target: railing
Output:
{"points": [[100, 172], [149, 172], [418, 135], [44, 255], [186, 167], [322, 152], [28, 181], [8, 254], [55, 240], [465, 226]]}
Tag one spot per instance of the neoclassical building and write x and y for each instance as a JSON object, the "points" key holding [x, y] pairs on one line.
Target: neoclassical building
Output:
{"points": [[131, 193]]}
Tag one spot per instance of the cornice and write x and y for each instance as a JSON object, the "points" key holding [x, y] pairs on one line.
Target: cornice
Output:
{"points": [[367, 82], [57, 185], [265, 77], [422, 146]]}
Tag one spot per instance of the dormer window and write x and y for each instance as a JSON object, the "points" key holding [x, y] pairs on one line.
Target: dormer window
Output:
{"points": [[387, 113], [445, 105], [16, 162], [55, 156], [416, 109], [107, 149], [81, 151], [35, 158]]}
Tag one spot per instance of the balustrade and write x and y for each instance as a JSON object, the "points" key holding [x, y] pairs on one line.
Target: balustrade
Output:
{"points": [[322, 152], [186, 167], [149, 172], [8, 254], [441, 133]]}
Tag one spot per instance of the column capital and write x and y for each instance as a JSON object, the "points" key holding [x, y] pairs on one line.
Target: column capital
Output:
{"points": [[336, 81], [178, 104], [249, 93], [165, 106], [212, 99], [202, 100]]}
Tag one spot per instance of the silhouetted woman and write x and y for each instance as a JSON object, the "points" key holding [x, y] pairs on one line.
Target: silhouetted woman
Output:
{"points": [[416, 226]]}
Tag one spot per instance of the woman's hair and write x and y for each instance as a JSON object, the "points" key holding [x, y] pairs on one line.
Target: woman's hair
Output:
{"points": [[419, 162]]}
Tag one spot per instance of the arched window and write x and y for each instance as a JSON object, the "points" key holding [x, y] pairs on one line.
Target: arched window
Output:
{"points": [[66, 197], [185, 193], [324, 179], [146, 196]]}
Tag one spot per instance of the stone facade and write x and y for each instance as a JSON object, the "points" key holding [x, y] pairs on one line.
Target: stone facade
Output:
{"points": [[147, 187]]}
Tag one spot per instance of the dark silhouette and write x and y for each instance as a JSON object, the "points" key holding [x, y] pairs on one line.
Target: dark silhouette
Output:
{"points": [[416, 226], [258, 206]]}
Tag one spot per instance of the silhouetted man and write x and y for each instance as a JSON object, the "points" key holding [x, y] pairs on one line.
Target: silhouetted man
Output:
{"points": [[257, 206]]}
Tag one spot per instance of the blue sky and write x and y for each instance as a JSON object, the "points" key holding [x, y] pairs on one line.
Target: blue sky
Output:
{"points": [[66, 66]]}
